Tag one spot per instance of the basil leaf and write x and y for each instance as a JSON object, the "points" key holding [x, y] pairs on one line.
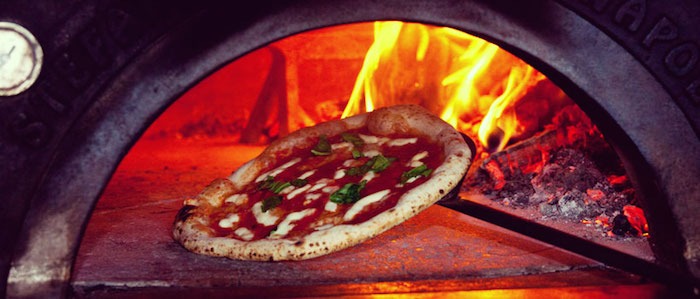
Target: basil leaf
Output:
{"points": [[270, 184], [266, 183], [322, 148], [422, 170], [354, 139], [358, 171], [271, 203], [299, 182], [349, 193], [277, 187], [357, 154], [379, 163]]}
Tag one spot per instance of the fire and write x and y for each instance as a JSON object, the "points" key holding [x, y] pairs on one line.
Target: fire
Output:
{"points": [[470, 83]]}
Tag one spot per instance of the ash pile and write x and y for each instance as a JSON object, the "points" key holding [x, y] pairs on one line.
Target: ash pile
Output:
{"points": [[568, 173]]}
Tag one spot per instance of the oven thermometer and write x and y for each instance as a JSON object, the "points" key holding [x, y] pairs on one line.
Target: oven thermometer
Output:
{"points": [[20, 59]]}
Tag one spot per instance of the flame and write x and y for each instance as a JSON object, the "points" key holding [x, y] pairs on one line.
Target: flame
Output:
{"points": [[386, 34], [478, 56], [469, 82]]}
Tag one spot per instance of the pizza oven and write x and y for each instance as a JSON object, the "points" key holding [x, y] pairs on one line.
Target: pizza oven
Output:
{"points": [[113, 112]]}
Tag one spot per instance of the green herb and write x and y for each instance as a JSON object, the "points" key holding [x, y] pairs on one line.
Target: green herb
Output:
{"points": [[271, 203], [357, 143], [377, 163], [415, 172], [354, 139], [357, 171], [298, 182], [322, 148], [357, 154], [277, 187], [266, 183], [350, 193], [270, 184]]}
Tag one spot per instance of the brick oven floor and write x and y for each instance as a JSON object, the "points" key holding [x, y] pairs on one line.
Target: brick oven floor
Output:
{"points": [[127, 250]]}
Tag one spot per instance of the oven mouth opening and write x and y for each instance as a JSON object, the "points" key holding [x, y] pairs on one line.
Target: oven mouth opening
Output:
{"points": [[538, 154], [311, 77]]}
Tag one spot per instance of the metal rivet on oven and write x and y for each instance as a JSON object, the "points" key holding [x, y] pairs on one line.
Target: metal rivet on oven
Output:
{"points": [[20, 59]]}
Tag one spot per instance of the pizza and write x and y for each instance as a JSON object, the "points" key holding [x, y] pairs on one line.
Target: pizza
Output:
{"points": [[327, 187]]}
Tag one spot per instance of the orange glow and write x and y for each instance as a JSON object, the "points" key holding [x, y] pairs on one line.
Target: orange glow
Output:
{"points": [[470, 83], [636, 217]]}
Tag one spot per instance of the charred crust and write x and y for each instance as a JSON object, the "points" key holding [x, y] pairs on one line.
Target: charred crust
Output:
{"points": [[184, 213]]}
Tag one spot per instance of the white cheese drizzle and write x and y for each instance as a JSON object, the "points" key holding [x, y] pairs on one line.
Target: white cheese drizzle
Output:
{"points": [[415, 164], [411, 180], [363, 202], [369, 176], [311, 198], [330, 189], [416, 160], [298, 191], [307, 174], [402, 141], [319, 185], [244, 233], [371, 153], [336, 146], [273, 173], [287, 190], [286, 225], [351, 162], [374, 139], [331, 206], [420, 156], [229, 220], [264, 218], [339, 174]]}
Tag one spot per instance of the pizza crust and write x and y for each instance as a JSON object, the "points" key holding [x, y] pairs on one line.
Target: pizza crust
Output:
{"points": [[191, 227]]}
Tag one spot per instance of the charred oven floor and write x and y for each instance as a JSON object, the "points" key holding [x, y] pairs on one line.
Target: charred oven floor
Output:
{"points": [[128, 250]]}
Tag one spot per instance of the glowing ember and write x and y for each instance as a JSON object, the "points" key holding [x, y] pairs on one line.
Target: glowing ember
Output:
{"points": [[470, 83], [636, 218]]}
